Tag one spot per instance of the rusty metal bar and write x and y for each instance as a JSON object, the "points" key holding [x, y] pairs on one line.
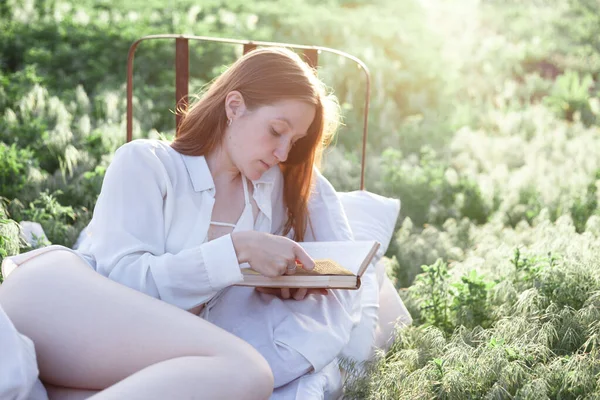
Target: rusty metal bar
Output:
{"points": [[182, 78], [129, 95], [248, 46], [311, 57]]}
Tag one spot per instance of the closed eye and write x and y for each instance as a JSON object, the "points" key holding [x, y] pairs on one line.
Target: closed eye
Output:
{"points": [[275, 133]]}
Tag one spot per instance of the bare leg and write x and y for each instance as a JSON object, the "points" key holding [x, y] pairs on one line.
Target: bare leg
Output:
{"points": [[92, 333]]}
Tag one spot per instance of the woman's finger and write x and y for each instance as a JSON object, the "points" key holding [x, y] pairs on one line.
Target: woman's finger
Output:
{"points": [[291, 268], [285, 293], [303, 257], [271, 291], [300, 293]]}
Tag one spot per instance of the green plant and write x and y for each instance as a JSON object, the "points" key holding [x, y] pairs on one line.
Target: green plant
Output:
{"points": [[528, 207], [15, 165], [587, 205], [432, 288], [426, 193], [61, 223], [470, 300], [527, 269], [10, 239], [571, 94]]}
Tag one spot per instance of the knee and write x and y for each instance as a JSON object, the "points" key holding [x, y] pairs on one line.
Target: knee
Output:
{"points": [[44, 269], [256, 378], [31, 284]]}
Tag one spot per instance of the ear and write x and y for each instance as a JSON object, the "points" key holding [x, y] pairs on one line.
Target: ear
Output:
{"points": [[234, 105]]}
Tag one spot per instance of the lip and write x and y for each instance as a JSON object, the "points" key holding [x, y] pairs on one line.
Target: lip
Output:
{"points": [[267, 166]]}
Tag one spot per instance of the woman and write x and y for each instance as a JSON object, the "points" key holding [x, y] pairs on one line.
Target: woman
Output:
{"points": [[177, 222]]}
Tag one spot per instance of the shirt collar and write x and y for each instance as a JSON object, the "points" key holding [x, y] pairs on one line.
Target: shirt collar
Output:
{"points": [[199, 173], [269, 176]]}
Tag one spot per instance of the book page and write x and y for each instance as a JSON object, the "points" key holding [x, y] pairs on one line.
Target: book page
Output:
{"points": [[349, 255], [322, 267], [325, 267]]}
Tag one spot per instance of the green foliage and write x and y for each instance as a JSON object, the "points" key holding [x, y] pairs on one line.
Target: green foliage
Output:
{"points": [[85, 189], [414, 247], [529, 207], [10, 240], [527, 269], [14, 169], [432, 286], [570, 95], [577, 31], [538, 336], [586, 206], [427, 193], [448, 305], [470, 300], [417, 187], [61, 224]]}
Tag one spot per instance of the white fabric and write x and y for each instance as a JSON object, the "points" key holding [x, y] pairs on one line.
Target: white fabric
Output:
{"points": [[362, 337], [392, 314], [371, 217], [18, 366], [296, 337], [150, 225], [324, 385], [247, 217]]}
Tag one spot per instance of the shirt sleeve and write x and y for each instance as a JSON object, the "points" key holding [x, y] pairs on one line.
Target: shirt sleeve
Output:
{"points": [[127, 235], [18, 366]]}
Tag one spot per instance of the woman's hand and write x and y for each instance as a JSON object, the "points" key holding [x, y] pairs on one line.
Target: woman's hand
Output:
{"points": [[294, 293], [270, 255]]}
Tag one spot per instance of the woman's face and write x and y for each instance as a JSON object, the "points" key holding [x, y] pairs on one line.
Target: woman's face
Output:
{"points": [[258, 139]]}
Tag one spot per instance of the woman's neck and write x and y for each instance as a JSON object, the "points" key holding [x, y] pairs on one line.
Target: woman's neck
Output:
{"points": [[221, 167]]}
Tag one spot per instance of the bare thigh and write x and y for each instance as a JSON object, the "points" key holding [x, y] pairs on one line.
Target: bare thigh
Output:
{"points": [[90, 332]]}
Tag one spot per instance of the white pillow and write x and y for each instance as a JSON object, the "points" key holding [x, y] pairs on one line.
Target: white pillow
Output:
{"points": [[371, 217]]}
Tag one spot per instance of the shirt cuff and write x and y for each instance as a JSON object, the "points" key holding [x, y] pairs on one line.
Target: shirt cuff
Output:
{"points": [[220, 260]]}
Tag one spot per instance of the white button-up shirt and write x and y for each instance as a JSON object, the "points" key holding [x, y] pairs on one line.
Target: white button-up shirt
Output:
{"points": [[149, 232], [150, 224]]}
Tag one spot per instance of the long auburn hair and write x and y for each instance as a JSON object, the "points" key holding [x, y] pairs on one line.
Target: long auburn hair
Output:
{"points": [[263, 77]]}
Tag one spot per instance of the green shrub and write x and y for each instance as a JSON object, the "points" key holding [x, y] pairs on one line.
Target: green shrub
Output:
{"points": [[10, 231], [587, 205], [15, 165], [470, 304], [61, 224], [570, 95], [427, 193]]}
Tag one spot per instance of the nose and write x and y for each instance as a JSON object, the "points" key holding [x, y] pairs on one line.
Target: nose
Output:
{"points": [[282, 150]]}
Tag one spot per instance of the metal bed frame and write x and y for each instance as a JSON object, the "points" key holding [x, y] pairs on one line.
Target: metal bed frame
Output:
{"points": [[311, 56]]}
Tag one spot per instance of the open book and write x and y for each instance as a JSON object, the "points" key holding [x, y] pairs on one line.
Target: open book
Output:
{"points": [[338, 265]]}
